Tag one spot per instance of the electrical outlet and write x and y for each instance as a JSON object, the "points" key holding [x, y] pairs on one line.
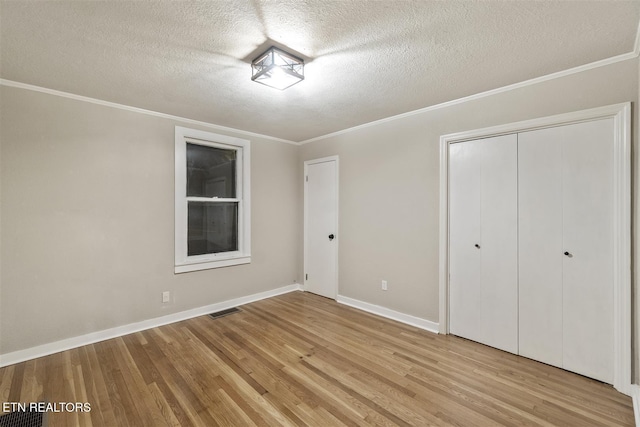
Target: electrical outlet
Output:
{"points": [[166, 296], [384, 285]]}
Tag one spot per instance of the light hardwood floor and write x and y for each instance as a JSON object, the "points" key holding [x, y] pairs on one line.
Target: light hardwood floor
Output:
{"points": [[300, 359]]}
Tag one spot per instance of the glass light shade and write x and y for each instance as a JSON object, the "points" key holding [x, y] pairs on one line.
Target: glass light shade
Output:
{"points": [[277, 69]]}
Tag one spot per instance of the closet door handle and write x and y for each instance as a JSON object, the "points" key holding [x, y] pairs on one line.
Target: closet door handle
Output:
{"points": [[568, 254], [477, 246]]}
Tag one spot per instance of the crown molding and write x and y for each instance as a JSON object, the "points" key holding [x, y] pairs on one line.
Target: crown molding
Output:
{"points": [[556, 75], [597, 64], [11, 83]]}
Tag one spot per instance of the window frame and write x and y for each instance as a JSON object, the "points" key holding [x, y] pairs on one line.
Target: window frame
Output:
{"points": [[183, 262]]}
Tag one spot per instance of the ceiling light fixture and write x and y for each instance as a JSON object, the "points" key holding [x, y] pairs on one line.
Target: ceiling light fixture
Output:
{"points": [[277, 68]]}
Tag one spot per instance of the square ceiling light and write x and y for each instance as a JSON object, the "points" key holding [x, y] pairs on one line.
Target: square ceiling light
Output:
{"points": [[277, 68]]}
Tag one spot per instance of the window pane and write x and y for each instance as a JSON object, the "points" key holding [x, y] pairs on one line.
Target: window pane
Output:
{"points": [[211, 172], [212, 228]]}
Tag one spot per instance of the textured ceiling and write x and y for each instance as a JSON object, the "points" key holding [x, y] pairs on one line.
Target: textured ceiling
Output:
{"points": [[367, 60]]}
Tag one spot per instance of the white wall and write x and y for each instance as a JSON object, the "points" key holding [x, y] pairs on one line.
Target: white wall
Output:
{"points": [[87, 207]]}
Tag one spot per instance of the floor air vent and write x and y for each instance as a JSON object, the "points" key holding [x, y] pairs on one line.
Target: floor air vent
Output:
{"points": [[224, 312], [22, 419]]}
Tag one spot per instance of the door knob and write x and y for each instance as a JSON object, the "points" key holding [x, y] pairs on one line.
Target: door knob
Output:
{"points": [[331, 236], [568, 254], [477, 246]]}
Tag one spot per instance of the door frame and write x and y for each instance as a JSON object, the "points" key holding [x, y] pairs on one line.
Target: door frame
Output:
{"points": [[621, 115], [308, 163]]}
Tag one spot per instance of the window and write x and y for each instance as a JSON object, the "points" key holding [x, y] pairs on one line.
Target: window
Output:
{"points": [[212, 209]]}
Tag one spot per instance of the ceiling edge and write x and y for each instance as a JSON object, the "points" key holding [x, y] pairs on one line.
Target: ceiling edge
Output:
{"points": [[11, 83], [604, 62]]}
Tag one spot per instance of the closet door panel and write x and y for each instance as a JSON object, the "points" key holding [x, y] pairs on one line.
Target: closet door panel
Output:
{"points": [[499, 242], [587, 178], [540, 245], [464, 233]]}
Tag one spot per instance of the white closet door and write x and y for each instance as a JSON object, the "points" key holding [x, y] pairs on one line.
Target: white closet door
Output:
{"points": [[565, 229], [483, 241], [464, 217], [587, 177], [540, 245], [499, 246]]}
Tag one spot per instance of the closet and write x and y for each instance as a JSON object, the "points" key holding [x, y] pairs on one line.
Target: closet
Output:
{"points": [[483, 244], [531, 262]]}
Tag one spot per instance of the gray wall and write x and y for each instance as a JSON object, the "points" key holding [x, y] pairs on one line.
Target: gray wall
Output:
{"points": [[389, 182], [87, 211]]}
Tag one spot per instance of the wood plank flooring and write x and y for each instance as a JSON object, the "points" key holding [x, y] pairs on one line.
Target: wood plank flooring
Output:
{"points": [[303, 360]]}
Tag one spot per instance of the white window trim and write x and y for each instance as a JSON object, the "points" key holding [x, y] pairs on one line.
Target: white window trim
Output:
{"points": [[184, 263]]}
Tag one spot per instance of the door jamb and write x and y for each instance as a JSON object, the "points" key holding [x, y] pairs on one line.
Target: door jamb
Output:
{"points": [[621, 115], [307, 163]]}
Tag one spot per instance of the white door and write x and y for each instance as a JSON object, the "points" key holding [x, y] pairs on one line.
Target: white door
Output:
{"points": [[321, 227], [540, 246], [484, 241], [566, 247], [464, 238], [587, 184]]}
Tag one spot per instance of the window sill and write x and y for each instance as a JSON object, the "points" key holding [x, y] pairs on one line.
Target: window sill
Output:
{"points": [[206, 265]]}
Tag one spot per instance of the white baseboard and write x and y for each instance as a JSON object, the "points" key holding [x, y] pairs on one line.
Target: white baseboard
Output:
{"points": [[635, 396], [79, 341], [418, 322]]}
